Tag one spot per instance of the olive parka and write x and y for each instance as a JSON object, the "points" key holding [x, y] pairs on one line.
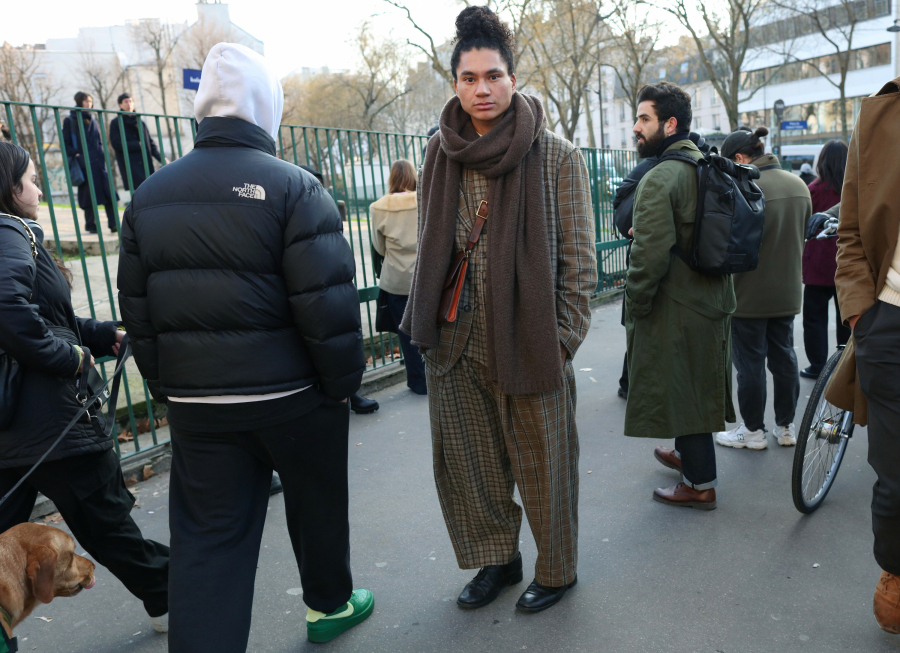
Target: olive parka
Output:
{"points": [[677, 321]]}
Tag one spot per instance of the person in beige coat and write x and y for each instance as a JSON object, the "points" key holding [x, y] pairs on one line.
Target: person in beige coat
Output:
{"points": [[393, 220], [867, 380]]}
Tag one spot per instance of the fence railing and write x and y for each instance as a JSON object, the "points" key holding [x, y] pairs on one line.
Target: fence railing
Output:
{"points": [[354, 164]]}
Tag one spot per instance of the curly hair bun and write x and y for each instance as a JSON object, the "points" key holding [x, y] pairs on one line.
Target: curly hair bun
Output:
{"points": [[482, 23], [761, 132]]}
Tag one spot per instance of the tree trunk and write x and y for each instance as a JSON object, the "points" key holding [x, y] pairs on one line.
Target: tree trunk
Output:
{"points": [[843, 105], [162, 93], [592, 141]]}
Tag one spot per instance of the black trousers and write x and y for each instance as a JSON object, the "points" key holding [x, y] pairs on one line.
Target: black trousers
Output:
{"points": [[698, 460], [877, 337], [110, 217], [754, 343], [90, 493], [218, 501], [415, 364], [815, 324]]}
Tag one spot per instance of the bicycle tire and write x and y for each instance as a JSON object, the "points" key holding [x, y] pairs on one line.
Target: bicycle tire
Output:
{"points": [[806, 473]]}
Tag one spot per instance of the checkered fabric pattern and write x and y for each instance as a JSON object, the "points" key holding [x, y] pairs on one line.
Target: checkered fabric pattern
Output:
{"points": [[485, 442]]}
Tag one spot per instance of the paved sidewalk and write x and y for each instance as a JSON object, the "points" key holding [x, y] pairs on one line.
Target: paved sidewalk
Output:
{"points": [[652, 578]]}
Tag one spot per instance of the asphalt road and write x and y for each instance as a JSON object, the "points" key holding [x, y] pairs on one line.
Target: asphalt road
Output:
{"points": [[740, 579]]}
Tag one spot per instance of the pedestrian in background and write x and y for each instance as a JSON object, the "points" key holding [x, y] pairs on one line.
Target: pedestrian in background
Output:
{"points": [[501, 388], [82, 475], [135, 129], [868, 287], [679, 350], [91, 150], [236, 283], [768, 298], [820, 264], [806, 174], [393, 223]]}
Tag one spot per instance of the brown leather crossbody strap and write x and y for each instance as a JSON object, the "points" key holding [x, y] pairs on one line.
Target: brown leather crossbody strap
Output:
{"points": [[481, 216]]}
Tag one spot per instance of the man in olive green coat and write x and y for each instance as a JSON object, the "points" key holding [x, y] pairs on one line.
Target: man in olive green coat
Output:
{"points": [[678, 322]]}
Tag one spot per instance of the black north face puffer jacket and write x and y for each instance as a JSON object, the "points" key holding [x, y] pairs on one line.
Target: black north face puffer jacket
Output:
{"points": [[235, 277]]}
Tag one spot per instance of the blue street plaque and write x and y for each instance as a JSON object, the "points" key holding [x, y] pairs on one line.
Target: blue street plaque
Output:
{"points": [[191, 78], [789, 125]]}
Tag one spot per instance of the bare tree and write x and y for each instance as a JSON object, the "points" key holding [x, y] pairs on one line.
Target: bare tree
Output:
{"points": [[836, 23], [562, 55], [161, 40], [724, 45], [513, 11], [196, 42], [22, 80], [419, 110], [381, 76], [634, 35], [102, 73]]}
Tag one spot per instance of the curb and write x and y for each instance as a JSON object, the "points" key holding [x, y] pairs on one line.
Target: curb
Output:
{"points": [[607, 297]]}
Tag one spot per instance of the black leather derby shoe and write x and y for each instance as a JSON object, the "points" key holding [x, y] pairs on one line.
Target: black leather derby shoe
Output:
{"points": [[488, 582], [362, 405], [537, 597]]}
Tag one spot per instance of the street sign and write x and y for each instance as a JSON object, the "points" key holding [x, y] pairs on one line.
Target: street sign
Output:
{"points": [[191, 78], [779, 108], [792, 125]]}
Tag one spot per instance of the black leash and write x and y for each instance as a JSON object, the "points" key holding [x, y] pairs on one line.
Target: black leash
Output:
{"points": [[87, 402]]}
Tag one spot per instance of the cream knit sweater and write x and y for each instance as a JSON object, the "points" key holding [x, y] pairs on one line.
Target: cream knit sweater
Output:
{"points": [[891, 291]]}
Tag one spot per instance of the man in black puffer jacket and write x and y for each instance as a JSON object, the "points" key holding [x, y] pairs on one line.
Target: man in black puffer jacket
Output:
{"points": [[236, 286]]}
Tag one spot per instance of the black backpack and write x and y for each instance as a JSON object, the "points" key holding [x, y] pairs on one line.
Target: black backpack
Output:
{"points": [[730, 215]]}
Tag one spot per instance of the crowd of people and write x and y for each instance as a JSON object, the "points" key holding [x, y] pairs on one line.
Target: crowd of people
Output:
{"points": [[489, 266]]}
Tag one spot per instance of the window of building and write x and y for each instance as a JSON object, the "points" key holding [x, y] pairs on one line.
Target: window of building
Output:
{"points": [[624, 140], [875, 55], [621, 111], [716, 126], [713, 97], [838, 16], [698, 98], [698, 124]]}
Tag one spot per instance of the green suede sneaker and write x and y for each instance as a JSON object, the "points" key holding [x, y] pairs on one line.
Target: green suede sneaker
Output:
{"points": [[325, 627]]}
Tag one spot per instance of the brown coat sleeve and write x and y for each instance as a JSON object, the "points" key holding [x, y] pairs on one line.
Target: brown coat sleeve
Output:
{"points": [[854, 279]]}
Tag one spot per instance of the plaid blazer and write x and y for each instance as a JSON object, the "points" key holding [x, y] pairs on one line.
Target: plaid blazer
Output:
{"points": [[570, 229]]}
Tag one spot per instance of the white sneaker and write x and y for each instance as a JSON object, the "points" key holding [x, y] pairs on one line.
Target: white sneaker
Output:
{"points": [[785, 435], [161, 624], [741, 437]]}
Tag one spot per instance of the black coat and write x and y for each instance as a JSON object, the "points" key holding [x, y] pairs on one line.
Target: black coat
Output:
{"points": [[133, 147], [235, 276], [33, 295], [95, 155]]}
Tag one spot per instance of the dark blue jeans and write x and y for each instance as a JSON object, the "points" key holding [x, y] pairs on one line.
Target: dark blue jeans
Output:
{"points": [[415, 364]]}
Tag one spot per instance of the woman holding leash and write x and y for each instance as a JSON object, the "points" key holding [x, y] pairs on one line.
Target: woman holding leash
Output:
{"points": [[41, 340]]}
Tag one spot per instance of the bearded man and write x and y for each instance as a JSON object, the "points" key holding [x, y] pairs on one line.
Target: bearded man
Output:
{"points": [[677, 321], [501, 389]]}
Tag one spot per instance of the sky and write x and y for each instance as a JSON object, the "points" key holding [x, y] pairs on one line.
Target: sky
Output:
{"points": [[309, 33]]}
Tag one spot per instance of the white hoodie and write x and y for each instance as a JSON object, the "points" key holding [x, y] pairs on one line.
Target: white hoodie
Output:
{"points": [[237, 82]]}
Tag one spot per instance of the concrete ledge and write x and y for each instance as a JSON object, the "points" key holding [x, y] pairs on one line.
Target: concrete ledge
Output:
{"points": [[382, 377], [91, 248], [606, 297]]}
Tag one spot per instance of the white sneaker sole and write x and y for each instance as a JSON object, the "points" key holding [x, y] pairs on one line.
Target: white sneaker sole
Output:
{"points": [[756, 445], [787, 442]]}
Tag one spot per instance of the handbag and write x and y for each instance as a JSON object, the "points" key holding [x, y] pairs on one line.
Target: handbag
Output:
{"points": [[75, 172], [384, 321], [10, 372], [456, 275]]}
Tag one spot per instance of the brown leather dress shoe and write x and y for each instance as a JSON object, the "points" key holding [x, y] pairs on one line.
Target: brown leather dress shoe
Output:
{"points": [[668, 458], [887, 603], [684, 496]]}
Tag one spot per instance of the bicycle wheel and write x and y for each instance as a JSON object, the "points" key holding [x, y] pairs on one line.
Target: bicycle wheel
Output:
{"points": [[821, 443]]}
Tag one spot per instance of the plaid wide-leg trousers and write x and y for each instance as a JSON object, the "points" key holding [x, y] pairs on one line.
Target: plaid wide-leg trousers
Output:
{"points": [[484, 444]]}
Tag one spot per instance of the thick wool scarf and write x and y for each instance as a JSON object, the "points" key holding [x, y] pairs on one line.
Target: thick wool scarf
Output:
{"points": [[523, 338]]}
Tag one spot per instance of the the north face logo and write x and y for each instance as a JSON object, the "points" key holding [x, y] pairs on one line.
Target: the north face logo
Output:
{"points": [[251, 191]]}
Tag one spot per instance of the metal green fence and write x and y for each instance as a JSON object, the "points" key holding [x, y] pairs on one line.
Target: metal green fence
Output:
{"points": [[355, 166]]}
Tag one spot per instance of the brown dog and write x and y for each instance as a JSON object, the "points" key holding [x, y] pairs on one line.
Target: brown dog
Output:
{"points": [[38, 563]]}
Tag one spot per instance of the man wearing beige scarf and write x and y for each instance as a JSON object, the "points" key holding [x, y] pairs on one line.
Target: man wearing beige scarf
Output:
{"points": [[500, 380]]}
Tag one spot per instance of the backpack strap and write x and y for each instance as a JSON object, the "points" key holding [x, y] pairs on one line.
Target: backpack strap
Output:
{"points": [[679, 155]]}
